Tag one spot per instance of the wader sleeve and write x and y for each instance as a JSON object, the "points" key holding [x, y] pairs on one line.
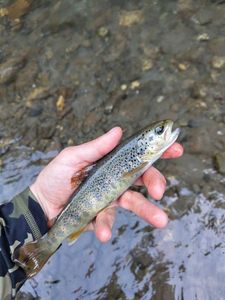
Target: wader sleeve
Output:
{"points": [[21, 220]]}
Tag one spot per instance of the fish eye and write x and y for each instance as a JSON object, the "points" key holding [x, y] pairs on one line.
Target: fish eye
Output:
{"points": [[159, 130]]}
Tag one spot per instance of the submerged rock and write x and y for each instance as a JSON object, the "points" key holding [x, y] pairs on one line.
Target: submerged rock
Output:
{"points": [[10, 68], [16, 9], [65, 14], [204, 16], [130, 18], [35, 110], [103, 31], [220, 162], [217, 46], [37, 94], [85, 103], [60, 103], [218, 62]]}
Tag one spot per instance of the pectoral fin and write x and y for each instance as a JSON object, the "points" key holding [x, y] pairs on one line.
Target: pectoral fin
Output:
{"points": [[147, 157], [134, 171]]}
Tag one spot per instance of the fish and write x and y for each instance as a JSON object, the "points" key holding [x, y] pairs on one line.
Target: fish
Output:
{"points": [[109, 178]]}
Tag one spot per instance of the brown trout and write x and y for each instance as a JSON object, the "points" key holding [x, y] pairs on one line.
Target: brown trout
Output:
{"points": [[107, 180]]}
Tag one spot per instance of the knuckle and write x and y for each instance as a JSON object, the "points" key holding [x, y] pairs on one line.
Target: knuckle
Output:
{"points": [[126, 198], [66, 150]]}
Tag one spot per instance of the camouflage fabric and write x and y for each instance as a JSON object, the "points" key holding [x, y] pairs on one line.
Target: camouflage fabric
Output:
{"points": [[21, 220]]}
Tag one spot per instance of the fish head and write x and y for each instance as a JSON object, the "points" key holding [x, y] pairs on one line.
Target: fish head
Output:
{"points": [[153, 140]]}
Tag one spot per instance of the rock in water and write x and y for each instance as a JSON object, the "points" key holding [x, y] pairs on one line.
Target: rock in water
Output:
{"points": [[220, 162]]}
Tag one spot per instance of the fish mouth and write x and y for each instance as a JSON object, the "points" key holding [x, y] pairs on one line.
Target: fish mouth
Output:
{"points": [[171, 136]]}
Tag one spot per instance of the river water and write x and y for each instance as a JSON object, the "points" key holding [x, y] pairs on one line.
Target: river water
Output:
{"points": [[69, 71]]}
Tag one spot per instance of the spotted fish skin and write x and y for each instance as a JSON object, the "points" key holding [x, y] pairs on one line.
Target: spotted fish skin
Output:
{"points": [[105, 183], [110, 178]]}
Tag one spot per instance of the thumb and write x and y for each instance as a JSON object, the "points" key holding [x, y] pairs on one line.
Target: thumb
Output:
{"points": [[96, 149]]}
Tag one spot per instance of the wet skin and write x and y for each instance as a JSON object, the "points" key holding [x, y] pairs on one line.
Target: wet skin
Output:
{"points": [[52, 187]]}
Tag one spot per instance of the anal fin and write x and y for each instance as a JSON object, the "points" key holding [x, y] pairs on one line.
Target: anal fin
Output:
{"points": [[74, 236]]}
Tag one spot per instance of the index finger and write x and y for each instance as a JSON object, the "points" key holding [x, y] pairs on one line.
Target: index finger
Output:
{"points": [[174, 151]]}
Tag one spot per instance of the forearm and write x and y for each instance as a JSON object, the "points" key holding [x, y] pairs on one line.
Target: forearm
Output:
{"points": [[21, 220]]}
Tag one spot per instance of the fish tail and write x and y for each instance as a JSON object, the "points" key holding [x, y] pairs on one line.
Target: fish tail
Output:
{"points": [[33, 256]]}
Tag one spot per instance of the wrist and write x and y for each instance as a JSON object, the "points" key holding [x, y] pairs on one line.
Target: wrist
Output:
{"points": [[42, 202]]}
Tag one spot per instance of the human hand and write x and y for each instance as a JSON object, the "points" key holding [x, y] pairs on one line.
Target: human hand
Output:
{"points": [[52, 187]]}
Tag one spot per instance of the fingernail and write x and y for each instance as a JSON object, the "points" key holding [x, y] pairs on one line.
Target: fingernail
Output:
{"points": [[179, 150], [105, 235], [114, 128], [160, 220], [111, 130]]}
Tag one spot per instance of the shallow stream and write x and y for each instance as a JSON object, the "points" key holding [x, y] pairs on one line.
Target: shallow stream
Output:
{"points": [[69, 71]]}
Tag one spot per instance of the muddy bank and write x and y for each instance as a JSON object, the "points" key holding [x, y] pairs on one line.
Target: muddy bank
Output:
{"points": [[68, 73]]}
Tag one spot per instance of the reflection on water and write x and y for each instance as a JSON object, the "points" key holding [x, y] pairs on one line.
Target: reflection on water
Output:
{"points": [[139, 262], [153, 264], [19, 171], [193, 250]]}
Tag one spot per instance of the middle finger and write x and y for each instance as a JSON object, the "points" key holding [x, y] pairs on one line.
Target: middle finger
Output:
{"points": [[154, 181], [143, 208]]}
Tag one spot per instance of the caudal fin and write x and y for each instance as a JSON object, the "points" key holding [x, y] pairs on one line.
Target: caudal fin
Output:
{"points": [[33, 256]]}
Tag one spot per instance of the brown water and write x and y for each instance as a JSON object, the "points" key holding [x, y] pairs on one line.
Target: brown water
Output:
{"points": [[69, 71]]}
